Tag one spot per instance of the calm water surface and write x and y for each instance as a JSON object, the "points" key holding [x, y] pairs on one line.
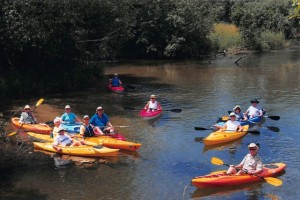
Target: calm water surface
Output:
{"points": [[172, 152]]}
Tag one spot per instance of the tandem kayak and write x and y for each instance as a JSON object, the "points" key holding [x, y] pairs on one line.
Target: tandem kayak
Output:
{"points": [[118, 89], [219, 179], [38, 128], [99, 140], [148, 115], [71, 128], [84, 151], [250, 122], [218, 137]]}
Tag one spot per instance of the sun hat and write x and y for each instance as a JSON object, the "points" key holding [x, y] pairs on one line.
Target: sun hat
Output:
{"points": [[85, 116], [57, 119], [153, 96], [254, 101], [67, 106], [237, 106], [252, 145], [99, 108], [115, 74], [231, 114], [27, 107], [61, 129]]}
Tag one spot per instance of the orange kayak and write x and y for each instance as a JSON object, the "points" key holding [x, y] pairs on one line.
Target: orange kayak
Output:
{"points": [[218, 179], [85, 151], [218, 137], [102, 140], [37, 128]]}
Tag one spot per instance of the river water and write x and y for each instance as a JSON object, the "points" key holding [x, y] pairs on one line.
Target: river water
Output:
{"points": [[172, 152]]}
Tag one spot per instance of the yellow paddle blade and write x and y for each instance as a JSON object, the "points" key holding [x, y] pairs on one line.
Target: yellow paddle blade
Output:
{"points": [[217, 161], [39, 102], [11, 134], [273, 181]]}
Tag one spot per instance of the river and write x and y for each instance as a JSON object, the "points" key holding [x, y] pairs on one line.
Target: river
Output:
{"points": [[172, 152]]}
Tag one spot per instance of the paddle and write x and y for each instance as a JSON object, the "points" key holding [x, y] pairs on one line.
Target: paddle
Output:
{"points": [[202, 129], [172, 110], [271, 117], [36, 105], [270, 180]]}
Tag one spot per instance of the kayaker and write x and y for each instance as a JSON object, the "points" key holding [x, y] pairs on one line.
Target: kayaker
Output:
{"points": [[115, 81], [251, 164], [238, 114], [254, 110], [68, 117], [87, 130], [232, 124], [101, 122], [54, 132], [63, 140], [27, 116], [153, 104]]}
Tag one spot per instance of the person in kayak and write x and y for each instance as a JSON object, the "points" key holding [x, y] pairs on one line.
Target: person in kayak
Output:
{"points": [[232, 124], [63, 140], [101, 122], [251, 164], [239, 116], [254, 110], [86, 129], [115, 81], [153, 105], [27, 116], [68, 117], [54, 132]]}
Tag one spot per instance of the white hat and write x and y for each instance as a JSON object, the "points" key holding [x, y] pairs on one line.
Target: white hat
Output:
{"points": [[152, 96], [67, 106], [252, 145], [99, 108], [27, 107], [237, 106], [85, 116], [115, 74], [231, 114], [61, 129], [57, 119]]}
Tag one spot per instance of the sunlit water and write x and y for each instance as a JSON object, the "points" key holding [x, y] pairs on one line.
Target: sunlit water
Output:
{"points": [[172, 152]]}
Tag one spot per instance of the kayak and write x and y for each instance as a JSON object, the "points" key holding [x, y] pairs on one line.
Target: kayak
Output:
{"points": [[71, 128], [220, 178], [218, 137], [84, 150], [118, 89], [100, 140], [148, 115], [252, 121], [38, 128]]}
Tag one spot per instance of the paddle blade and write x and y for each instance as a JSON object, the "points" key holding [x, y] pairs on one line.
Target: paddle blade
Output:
{"points": [[201, 129], [217, 161], [176, 110], [273, 117], [254, 132], [39, 102], [273, 128], [11, 134], [273, 181]]}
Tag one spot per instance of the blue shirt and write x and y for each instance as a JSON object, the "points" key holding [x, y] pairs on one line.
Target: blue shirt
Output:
{"points": [[68, 118], [99, 121], [115, 82]]}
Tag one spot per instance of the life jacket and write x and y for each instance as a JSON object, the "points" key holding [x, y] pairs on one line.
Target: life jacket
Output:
{"points": [[89, 132], [115, 82]]}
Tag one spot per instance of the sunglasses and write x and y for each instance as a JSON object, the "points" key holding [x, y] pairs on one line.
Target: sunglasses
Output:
{"points": [[252, 149], [27, 108], [232, 116], [86, 119]]}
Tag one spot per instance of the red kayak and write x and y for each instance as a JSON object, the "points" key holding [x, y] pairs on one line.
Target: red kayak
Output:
{"points": [[218, 179], [147, 115], [118, 89]]}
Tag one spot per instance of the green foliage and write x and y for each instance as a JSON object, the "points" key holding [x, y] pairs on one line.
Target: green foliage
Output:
{"points": [[257, 17]]}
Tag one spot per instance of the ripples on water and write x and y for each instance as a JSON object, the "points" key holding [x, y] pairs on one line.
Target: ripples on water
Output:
{"points": [[172, 152]]}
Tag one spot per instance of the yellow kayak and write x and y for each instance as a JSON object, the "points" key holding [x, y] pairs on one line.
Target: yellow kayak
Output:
{"points": [[85, 151], [102, 140], [38, 128], [218, 137]]}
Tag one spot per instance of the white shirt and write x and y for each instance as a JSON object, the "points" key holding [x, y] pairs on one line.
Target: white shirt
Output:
{"points": [[153, 105], [254, 111], [62, 140], [252, 162], [232, 125]]}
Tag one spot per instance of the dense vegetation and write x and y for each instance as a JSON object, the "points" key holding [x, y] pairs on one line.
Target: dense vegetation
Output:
{"points": [[48, 46]]}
